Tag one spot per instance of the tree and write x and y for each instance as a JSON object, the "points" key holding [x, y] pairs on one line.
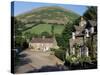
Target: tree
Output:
{"points": [[46, 34], [35, 35], [67, 33], [18, 41], [18, 26], [91, 13], [60, 41], [28, 35], [52, 30], [61, 54]]}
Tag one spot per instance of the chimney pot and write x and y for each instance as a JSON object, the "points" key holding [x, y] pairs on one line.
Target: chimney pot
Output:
{"points": [[43, 37]]}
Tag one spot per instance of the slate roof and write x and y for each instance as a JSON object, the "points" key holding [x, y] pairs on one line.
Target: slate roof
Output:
{"points": [[92, 23], [79, 28], [41, 40]]}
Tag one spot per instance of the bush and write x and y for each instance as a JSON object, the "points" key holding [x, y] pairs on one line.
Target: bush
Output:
{"points": [[59, 53], [46, 34], [83, 62], [84, 59], [72, 59]]}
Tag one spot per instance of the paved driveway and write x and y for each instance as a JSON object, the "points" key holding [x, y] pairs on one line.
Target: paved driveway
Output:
{"points": [[35, 61]]}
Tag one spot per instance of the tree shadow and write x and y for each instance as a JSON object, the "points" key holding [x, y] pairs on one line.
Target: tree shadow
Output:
{"points": [[49, 69], [22, 60], [81, 66], [22, 55]]}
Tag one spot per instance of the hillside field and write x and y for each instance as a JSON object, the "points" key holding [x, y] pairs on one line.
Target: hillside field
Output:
{"points": [[45, 28]]}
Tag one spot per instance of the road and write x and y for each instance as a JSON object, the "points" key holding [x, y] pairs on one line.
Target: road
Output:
{"points": [[36, 61]]}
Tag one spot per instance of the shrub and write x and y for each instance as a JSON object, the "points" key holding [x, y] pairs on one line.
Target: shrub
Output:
{"points": [[84, 59], [72, 59], [59, 53]]}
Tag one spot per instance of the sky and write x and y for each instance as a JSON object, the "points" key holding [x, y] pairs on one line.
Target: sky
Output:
{"points": [[22, 7]]}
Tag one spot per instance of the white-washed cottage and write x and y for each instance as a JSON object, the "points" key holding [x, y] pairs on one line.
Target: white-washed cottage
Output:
{"points": [[42, 44]]}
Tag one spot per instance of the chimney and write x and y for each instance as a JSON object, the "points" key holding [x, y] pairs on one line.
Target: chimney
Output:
{"points": [[92, 29], [87, 32], [87, 52], [32, 38], [82, 18], [73, 35], [43, 37], [82, 22]]}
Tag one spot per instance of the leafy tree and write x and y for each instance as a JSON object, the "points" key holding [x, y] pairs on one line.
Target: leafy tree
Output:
{"points": [[67, 34], [76, 22], [28, 35], [52, 30], [59, 53], [18, 26], [19, 41], [35, 35], [91, 13], [60, 41], [46, 34], [72, 59], [17, 34], [63, 39]]}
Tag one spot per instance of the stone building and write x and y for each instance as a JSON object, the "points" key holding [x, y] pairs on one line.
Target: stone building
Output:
{"points": [[86, 29], [42, 44]]}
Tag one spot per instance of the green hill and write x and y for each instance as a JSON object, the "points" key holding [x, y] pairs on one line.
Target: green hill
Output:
{"points": [[41, 19], [51, 14]]}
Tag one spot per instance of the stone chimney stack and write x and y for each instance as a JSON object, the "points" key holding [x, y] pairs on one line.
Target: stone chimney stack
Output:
{"points": [[73, 35], [82, 22], [43, 37], [82, 18], [32, 38], [92, 29], [87, 32]]}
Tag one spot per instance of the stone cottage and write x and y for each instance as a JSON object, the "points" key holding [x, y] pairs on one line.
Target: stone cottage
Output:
{"points": [[42, 44], [85, 30]]}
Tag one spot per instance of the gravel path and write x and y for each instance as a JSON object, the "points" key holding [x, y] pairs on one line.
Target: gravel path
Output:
{"points": [[34, 60]]}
